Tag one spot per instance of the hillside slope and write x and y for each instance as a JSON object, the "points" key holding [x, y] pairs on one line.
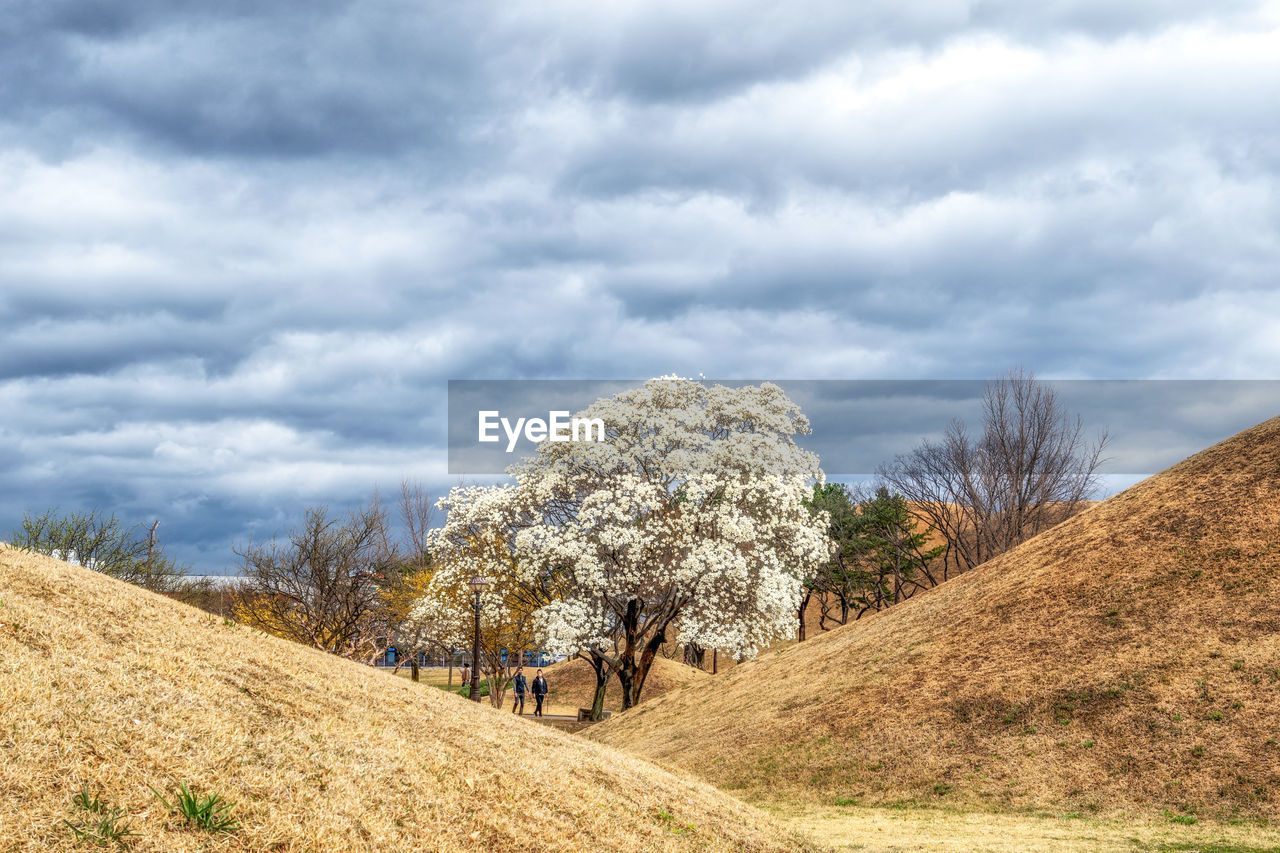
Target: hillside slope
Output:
{"points": [[110, 686], [1127, 659], [571, 684]]}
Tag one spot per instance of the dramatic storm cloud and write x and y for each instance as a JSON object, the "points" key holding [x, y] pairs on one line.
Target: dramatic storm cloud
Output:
{"points": [[243, 246]]}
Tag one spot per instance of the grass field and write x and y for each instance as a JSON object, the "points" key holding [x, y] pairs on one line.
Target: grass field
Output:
{"points": [[108, 691], [902, 829]]}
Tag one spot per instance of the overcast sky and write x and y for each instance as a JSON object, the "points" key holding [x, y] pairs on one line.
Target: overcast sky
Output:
{"points": [[244, 245]]}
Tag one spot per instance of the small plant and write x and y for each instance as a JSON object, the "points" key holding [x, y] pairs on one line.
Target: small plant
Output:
{"points": [[1185, 819], [210, 812], [669, 820], [941, 789], [1087, 744], [846, 801], [109, 829], [86, 801], [1197, 751], [102, 824], [1214, 715]]}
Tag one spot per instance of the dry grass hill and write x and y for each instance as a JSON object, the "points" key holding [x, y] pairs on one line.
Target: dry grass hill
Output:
{"points": [[107, 686], [571, 684], [1126, 660]]}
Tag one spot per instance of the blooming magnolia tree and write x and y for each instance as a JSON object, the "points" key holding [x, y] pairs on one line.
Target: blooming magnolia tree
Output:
{"points": [[688, 523], [478, 539]]}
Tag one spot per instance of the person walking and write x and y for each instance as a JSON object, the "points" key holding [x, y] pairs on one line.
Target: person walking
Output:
{"points": [[521, 687], [539, 692], [466, 675]]}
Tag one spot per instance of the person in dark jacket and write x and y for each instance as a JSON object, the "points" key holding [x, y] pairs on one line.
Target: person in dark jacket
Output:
{"points": [[539, 692], [521, 687]]}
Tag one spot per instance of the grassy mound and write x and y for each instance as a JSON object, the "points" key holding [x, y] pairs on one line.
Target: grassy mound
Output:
{"points": [[1126, 659], [571, 684], [112, 690]]}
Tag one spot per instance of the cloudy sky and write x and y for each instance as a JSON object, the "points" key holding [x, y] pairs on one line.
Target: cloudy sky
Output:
{"points": [[243, 246]]}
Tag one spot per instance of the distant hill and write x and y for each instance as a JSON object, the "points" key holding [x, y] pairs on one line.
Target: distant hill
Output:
{"points": [[106, 685], [1128, 658]]}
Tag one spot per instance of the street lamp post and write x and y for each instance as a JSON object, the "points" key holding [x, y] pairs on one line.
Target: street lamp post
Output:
{"points": [[478, 585]]}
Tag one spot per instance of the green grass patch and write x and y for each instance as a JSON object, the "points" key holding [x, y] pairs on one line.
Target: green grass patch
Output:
{"points": [[669, 821], [1184, 819], [210, 812], [97, 821]]}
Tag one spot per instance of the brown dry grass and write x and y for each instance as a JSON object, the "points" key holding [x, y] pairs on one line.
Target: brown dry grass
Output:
{"points": [[107, 685], [571, 684], [1127, 660], [873, 830]]}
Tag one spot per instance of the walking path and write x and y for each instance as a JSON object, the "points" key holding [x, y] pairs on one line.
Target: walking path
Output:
{"points": [[568, 722]]}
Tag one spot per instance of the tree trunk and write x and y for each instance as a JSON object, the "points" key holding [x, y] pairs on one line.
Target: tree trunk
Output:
{"points": [[804, 605], [631, 672], [694, 655], [627, 662], [602, 682], [413, 668], [624, 679], [646, 663]]}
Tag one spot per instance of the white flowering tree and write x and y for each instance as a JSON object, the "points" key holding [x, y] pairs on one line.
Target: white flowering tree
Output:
{"points": [[690, 519], [478, 539]]}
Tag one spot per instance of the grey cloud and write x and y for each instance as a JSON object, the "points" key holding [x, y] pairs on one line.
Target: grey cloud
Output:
{"points": [[299, 80], [242, 247]]}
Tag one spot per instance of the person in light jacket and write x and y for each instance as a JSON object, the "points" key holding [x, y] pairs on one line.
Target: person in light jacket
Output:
{"points": [[539, 692], [521, 687]]}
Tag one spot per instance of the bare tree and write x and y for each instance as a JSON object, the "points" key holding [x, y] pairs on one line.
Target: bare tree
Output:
{"points": [[1031, 468], [417, 513], [322, 588], [404, 585]]}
